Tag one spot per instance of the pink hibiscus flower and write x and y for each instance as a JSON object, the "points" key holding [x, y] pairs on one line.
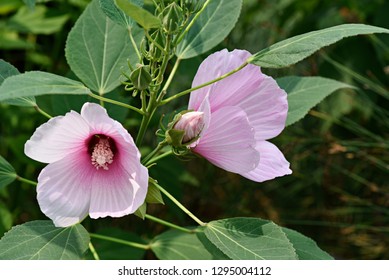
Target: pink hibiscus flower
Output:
{"points": [[235, 117], [94, 167]]}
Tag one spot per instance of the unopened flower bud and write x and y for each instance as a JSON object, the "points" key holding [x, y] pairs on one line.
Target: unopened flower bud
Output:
{"points": [[192, 123], [172, 17], [141, 77]]}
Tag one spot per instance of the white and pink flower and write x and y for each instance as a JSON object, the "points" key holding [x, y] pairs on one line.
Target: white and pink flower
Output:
{"points": [[94, 167], [240, 113]]}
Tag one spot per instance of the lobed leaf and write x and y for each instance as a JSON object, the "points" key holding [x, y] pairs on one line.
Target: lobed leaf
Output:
{"points": [[306, 92], [41, 240], [295, 49]]}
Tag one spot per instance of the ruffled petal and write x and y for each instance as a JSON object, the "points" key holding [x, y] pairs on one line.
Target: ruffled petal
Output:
{"points": [[230, 90], [64, 189], [272, 163], [229, 141], [120, 190], [57, 138]]}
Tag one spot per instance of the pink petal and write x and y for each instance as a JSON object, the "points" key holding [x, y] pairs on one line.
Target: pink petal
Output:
{"points": [[258, 95], [266, 108], [64, 189], [228, 142], [272, 163], [57, 138], [216, 65], [122, 189]]}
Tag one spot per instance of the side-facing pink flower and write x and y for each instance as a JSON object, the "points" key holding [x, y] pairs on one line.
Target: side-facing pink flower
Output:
{"points": [[94, 167], [241, 112]]}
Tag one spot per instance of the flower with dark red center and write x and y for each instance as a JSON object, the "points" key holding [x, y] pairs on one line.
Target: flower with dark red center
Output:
{"points": [[94, 167]]}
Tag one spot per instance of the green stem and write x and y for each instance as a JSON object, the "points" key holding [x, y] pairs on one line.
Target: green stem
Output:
{"points": [[168, 224], [24, 180], [154, 152], [134, 45], [189, 26], [176, 202], [101, 98], [38, 109], [169, 80], [120, 241], [153, 103], [93, 251], [157, 158], [167, 100]]}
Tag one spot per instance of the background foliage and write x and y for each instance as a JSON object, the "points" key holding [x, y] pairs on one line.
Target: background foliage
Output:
{"points": [[338, 193]]}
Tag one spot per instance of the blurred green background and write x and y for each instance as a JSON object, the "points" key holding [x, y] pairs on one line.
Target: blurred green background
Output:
{"points": [[338, 193]]}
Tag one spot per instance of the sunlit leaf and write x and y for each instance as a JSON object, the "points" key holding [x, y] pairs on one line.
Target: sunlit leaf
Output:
{"points": [[41, 240], [306, 92], [297, 48], [212, 27]]}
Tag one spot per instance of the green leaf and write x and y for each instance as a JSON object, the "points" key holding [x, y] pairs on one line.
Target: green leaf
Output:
{"points": [[178, 245], [141, 211], [297, 48], [154, 195], [306, 92], [143, 17], [41, 240], [7, 173], [97, 49], [5, 219], [36, 83], [35, 21], [8, 70], [305, 247], [250, 239], [117, 15], [212, 27]]}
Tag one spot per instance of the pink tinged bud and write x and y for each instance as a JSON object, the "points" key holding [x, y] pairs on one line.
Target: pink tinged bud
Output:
{"points": [[192, 123]]}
